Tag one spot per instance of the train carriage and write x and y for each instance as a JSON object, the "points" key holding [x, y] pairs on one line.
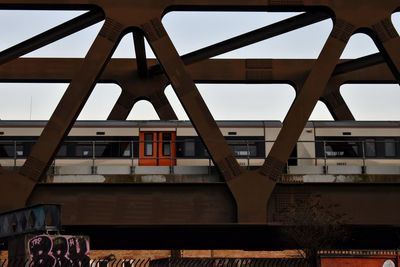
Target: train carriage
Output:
{"points": [[176, 143]]}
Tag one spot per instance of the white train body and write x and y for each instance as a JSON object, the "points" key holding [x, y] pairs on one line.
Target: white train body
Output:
{"points": [[131, 144]]}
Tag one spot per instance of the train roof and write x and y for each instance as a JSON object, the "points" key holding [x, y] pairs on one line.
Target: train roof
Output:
{"points": [[356, 124], [139, 124], [186, 123]]}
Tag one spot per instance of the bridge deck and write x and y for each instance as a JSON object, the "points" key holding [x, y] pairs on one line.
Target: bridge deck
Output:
{"points": [[203, 215]]}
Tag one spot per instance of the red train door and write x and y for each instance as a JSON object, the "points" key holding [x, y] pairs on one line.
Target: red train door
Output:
{"points": [[157, 149]]}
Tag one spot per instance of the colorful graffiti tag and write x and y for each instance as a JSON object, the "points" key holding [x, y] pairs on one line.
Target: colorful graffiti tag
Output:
{"points": [[58, 250]]}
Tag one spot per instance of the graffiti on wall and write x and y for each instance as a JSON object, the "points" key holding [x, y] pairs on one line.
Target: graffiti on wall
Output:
{"points": [[58, 250]]}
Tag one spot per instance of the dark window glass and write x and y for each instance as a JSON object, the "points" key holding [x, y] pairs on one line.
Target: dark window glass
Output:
{"points": [[370, 148], [126, 149], [243, 148], [260, 148], [148, 144], [20, 150], [84, 149], [11, 150], [342, 149], [113, 149], [62, 151], [189, 148], [103, 149], [201, 150], [166, 148], [390, 148], [7, 149]]}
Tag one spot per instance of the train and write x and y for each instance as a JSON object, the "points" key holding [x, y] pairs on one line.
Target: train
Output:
{"points": [[176, 143]]}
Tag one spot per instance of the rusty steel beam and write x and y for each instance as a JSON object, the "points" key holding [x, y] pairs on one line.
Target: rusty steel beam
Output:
{"points": [[249, 38], [123, 106], [358, 63], [135, 89], [235, 71], [220, 48], [388, 41], [251, 190], [178, 204], [305, 102], [157, 214], [72, 102], [63, 117], [162, 6], [336, 105], [192, 102], [52, 35], [291, 71], [140, 51], [368, 69]]}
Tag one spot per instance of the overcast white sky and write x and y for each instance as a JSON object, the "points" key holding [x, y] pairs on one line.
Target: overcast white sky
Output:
{"points": [[190, 31]]}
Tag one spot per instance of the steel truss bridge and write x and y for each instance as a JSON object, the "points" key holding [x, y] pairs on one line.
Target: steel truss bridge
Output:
{"points": [[247, 207]]}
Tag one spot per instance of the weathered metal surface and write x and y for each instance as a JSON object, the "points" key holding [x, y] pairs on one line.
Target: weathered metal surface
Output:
{"points": [[179, 204], [363, 70], [251, 189], [38, 218], [235, 71], [52, 35], [153, 216]]}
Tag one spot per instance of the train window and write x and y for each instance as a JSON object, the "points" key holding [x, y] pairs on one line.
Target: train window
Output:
{"points": [[166, 148], [189, 148], [240, 150], [390, 148], [6, 150], [370, 148], [120, 149], [243, 149], [20, 151], [200, 149], [62, 151], [84, 149], [127, 150], [102, 149], [205, 152], [342, 149], [148, 144]]}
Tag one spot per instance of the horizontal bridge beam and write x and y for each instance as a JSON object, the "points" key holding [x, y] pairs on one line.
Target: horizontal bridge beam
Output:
{"points": [[202, 216], [211, 204], [208, 71]]}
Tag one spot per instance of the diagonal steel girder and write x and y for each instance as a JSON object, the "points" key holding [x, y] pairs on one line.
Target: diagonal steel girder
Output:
{"points": [[52, 35], [127, 99], [369, 69], [251, 190]]}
